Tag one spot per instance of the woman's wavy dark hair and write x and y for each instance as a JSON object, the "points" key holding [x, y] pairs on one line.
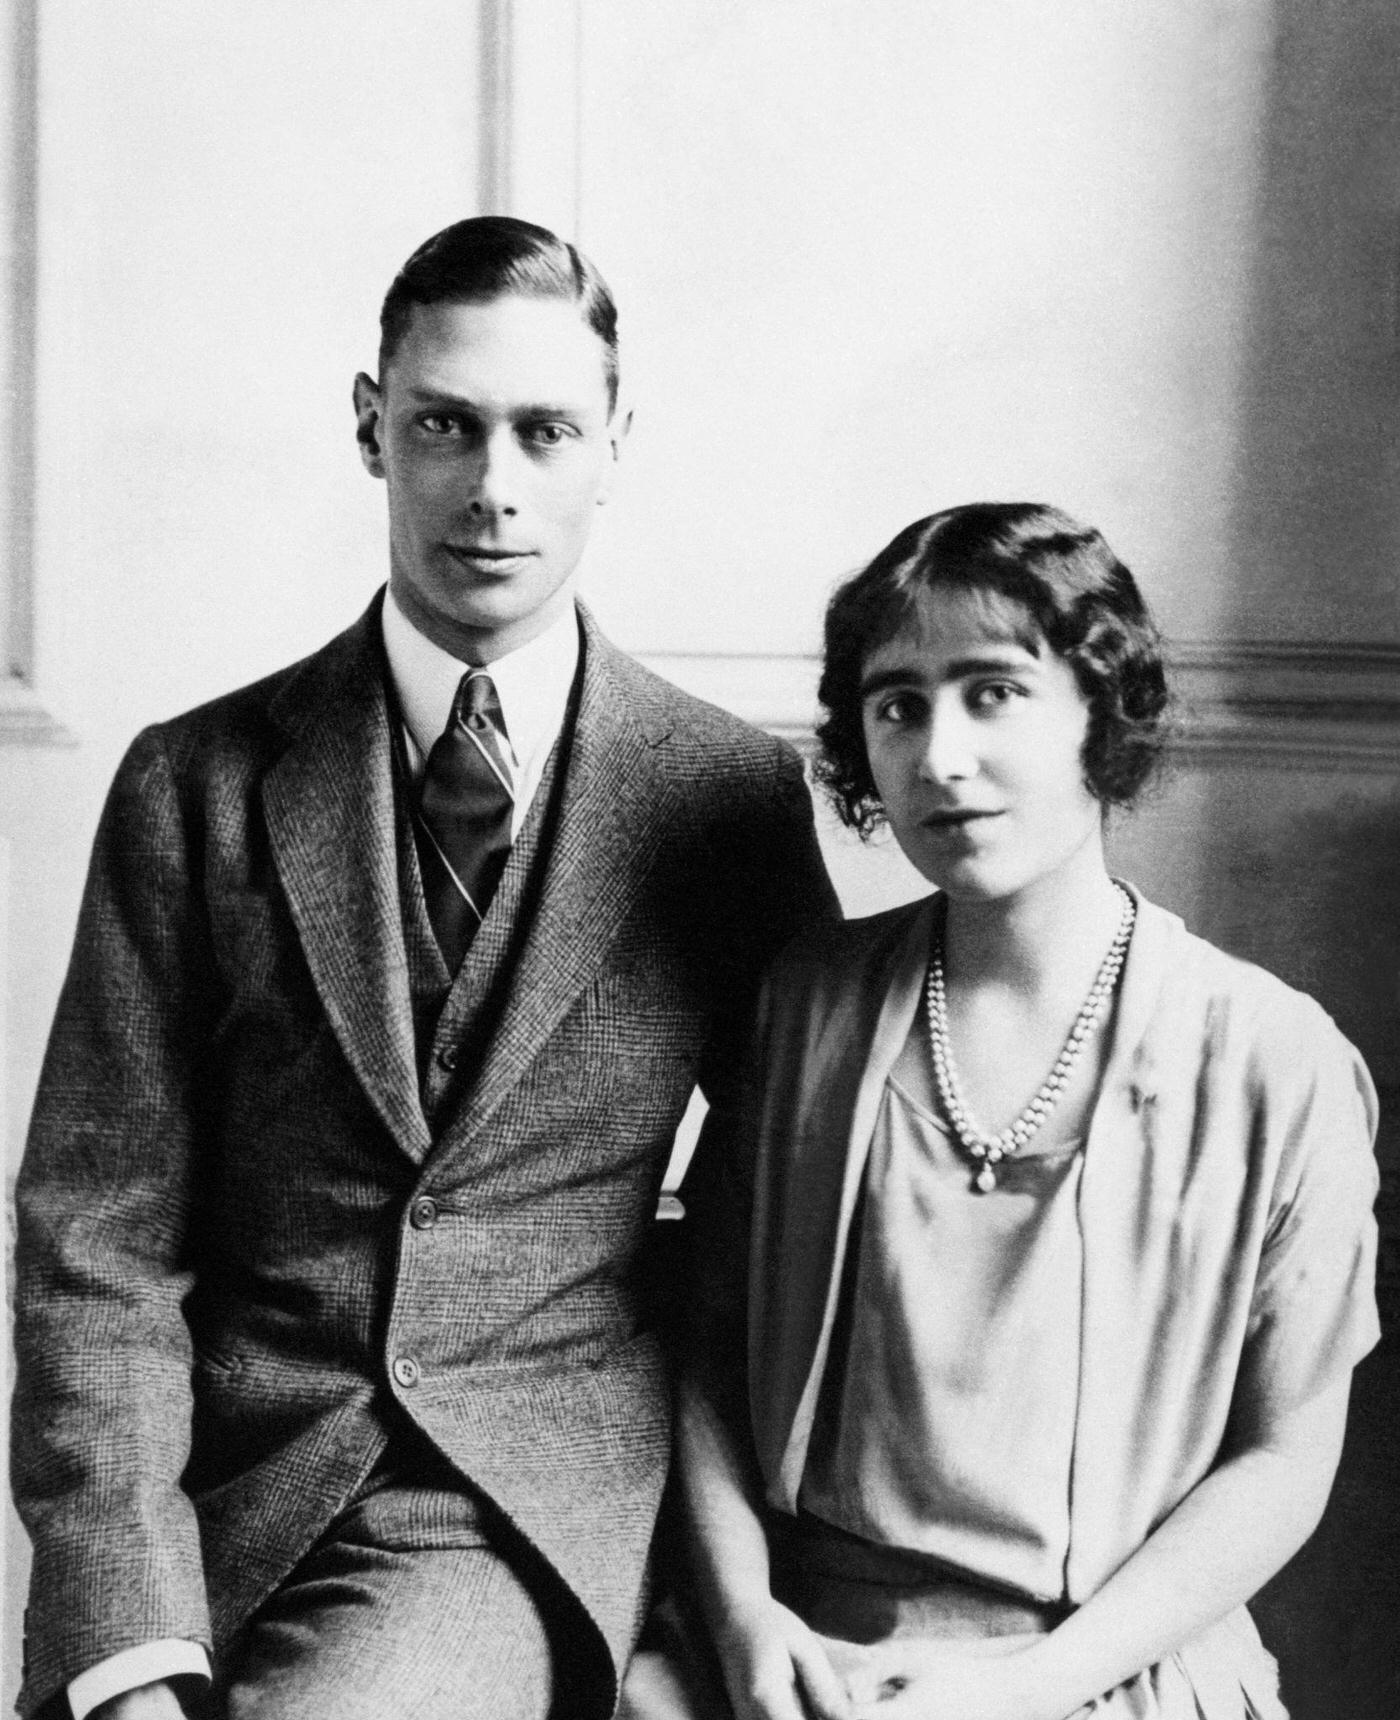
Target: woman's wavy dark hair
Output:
{"points": [[1080, 597]]}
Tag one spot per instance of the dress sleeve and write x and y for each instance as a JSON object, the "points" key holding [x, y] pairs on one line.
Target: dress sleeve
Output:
{"points": [[1313, 1312]]}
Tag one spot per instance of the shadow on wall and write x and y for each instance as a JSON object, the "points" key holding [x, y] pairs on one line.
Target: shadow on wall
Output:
{"points": [[1327, 915], [1306, 867], [1297, 870], [1314, 893], [1314, 533], [1316, 537], [1302, 869]]}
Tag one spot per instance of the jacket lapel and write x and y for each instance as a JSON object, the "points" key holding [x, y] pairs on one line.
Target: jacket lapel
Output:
{"points": [[613, 811], [329, 803]]}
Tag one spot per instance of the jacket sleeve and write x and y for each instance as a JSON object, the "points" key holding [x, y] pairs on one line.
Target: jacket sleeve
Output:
{"points": [[777, 884], [103, 1403]]}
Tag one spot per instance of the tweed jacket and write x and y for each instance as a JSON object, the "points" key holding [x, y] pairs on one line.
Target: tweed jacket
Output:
{"points": [[249, 1222]]}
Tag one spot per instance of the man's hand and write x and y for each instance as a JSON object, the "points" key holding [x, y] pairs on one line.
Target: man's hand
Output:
{"points": [[146, 1702], [775, 1668]]}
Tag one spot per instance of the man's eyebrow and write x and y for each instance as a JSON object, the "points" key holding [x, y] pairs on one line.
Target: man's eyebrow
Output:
{"points": [[460, 403], [908, 674]]}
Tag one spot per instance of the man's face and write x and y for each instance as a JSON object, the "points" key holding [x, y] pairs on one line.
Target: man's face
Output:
{"points": [[491, 428]]}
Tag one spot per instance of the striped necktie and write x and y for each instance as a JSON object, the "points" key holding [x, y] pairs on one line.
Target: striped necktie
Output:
{"points": [[464, 814]]}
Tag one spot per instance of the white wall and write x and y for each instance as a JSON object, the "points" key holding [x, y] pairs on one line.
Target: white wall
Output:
{"points": [[883, 258]]}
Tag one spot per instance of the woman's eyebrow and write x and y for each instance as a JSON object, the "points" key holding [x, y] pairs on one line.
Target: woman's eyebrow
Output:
{"points": [[909, 674], [897, 675], [991, 664]]}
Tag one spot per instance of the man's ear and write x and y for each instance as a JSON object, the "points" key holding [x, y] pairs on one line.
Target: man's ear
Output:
{"points": [[617, 435], [369, 407]]}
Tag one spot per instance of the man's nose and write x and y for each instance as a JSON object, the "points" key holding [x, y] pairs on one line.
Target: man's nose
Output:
{"points": [[494, 476]]}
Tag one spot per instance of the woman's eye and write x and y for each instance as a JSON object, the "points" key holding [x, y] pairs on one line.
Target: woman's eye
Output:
{"points": [[895, 708]]}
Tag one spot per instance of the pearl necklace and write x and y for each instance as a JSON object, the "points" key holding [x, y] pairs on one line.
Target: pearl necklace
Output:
{"points": [[989, 1150]]}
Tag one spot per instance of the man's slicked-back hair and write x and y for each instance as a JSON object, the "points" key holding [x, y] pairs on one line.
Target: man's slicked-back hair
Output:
{"points": [[493, 257]]}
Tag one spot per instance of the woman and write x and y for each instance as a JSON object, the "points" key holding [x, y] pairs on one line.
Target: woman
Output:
{"points": [[1055, 1250]]}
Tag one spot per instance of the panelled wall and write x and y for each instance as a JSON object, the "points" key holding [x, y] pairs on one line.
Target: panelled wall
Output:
{"points": [[873, 257]]}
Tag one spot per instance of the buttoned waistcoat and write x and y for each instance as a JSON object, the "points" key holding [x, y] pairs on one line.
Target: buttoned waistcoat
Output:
{"points": [[245, 1226]]}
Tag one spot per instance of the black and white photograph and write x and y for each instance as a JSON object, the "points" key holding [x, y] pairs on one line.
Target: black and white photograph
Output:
{"points": [[700, 859]]}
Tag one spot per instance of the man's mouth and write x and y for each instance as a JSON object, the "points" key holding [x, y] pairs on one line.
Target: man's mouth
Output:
{"points": [[487, 556]]}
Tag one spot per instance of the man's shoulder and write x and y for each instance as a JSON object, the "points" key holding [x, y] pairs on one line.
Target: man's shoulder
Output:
{"points": [[827, 952], [669, 715], [262, 713], [679, 715]]}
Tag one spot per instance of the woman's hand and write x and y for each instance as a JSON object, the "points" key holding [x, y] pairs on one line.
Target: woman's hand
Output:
{"points": [[915, 1678], [775, 1668]]}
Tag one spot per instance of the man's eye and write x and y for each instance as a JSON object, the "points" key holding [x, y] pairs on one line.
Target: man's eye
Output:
{"points": [[442, 423], [548, 435]]}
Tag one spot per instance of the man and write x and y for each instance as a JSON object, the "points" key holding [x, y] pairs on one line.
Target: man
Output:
{"points": [[393, 977]]}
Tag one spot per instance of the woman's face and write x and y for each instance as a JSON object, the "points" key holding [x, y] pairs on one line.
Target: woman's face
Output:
{"points": [[975, 734]]}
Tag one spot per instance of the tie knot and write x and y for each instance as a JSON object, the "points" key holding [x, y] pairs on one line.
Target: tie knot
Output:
{"points": [[478, 706]]}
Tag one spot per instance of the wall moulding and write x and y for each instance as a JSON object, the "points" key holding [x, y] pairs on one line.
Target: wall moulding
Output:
{"points": [[25, 721], [23, 718], [531, 68], [1319, 705], [1324, 704]]}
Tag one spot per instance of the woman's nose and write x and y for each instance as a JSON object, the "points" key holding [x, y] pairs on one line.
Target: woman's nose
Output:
{"points": [[949, 746]]}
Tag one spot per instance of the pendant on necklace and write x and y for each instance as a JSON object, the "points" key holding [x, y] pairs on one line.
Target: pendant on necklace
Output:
{"points": [[986, 1152]]}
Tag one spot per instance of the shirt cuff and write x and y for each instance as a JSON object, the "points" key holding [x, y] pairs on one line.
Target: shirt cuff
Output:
{"points": [[147, 1663]]}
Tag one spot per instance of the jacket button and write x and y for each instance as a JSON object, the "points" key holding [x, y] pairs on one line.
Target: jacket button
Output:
{"points": [[447, 1057], [423, 1214], [406, 1371]]}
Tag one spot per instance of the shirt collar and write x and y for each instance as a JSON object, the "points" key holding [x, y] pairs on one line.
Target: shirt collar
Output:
{"points": [[532, 682]]}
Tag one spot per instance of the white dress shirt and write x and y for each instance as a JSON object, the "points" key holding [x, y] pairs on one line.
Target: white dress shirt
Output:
{"points": [[533, 685], [147, 1663]]}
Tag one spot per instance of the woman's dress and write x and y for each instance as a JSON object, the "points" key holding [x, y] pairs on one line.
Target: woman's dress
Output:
{"points": [[1018, 1386]]}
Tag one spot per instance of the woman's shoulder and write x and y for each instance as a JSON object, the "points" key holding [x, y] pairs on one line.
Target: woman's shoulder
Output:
{"points": [[1241, 1007]]}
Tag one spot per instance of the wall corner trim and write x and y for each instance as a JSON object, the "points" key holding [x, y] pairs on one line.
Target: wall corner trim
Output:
{"points": [[1324, 703], [531, 64], [25, 721]]}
